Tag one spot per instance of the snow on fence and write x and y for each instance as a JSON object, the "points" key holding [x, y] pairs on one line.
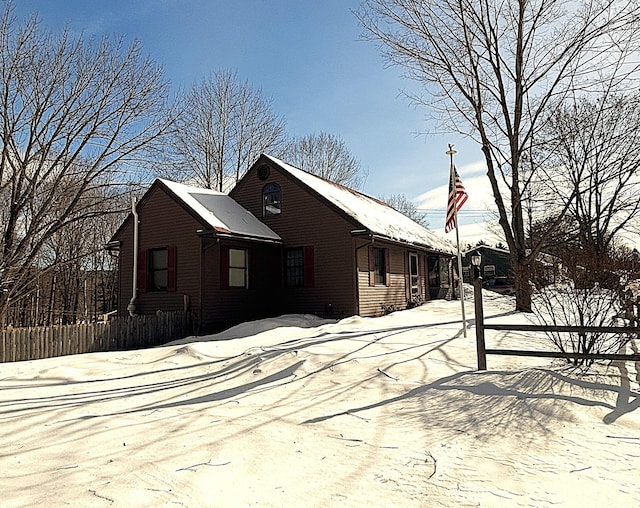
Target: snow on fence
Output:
{"points": [[17, 344]]}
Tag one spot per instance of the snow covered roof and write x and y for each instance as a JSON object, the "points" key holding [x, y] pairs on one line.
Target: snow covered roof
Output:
{"points": [[220, 211], [374, 215], [486, 247]]}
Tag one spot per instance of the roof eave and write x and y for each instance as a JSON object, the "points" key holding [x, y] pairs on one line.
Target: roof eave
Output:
{"points": [[377, 236], [249, 238], [230, 235]]}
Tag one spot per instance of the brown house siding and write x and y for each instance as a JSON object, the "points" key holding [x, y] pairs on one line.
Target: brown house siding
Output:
{"points": [[226, 306], [376, 299], [162, 222], [337, 267], [306, 220]]}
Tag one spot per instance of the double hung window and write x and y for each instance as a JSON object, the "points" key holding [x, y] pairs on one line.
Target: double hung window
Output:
{"points": [[299, 267], [379, 267], [238, 277], [157, 269]]}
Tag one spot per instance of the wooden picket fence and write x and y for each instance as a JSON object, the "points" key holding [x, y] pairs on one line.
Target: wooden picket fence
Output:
{"points": [[120, 333]]}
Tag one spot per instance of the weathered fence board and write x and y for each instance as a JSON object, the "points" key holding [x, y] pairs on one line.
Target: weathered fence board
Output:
{"points": [[18, 344]]}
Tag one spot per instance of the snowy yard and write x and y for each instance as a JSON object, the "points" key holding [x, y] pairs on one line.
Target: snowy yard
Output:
{"points": [[302, 412]]}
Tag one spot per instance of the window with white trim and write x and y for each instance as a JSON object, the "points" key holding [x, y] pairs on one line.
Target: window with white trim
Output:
{"points": [[238, 277]]}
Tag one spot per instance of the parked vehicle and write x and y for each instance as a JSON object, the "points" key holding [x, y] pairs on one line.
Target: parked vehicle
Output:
{"points": [[502, 285]]}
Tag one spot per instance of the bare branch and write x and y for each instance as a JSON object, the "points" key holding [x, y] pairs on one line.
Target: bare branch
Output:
{"points": [[76, 117], [497, 70]]}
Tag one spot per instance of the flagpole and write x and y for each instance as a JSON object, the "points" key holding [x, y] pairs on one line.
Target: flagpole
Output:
{"points": [[451, 152]]}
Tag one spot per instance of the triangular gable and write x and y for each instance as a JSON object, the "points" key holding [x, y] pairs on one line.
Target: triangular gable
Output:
{"points": [[221, 212], [214, 210], [374, 215]]}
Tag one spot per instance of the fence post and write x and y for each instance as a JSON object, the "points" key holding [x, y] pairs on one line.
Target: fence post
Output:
{"points": [[477, 300]]}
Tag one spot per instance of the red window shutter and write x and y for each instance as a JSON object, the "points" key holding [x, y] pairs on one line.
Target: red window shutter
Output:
{"points": [[172, 281], [309, 267], [387, 267], [372, 267], [224, 267], [142, 271]]}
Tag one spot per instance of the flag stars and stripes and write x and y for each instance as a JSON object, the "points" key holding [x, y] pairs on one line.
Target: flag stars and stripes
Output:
{"points": [[457, 197]]}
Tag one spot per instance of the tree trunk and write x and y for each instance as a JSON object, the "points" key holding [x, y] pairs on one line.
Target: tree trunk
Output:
{"points": [[521, 272]]}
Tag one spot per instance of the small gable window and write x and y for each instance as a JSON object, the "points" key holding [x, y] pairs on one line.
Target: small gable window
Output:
{"points": [[271, 204]]}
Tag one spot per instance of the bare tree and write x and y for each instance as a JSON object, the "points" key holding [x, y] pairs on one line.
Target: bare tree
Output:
{"points": [[327, 156], [404, 205], [594, 147], [75, 116], [73, 277], [220, 129], [496, 70], [565, 304]]}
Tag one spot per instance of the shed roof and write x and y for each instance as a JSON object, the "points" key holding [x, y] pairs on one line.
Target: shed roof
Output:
{"points": [[374, 215], [221, 212]]}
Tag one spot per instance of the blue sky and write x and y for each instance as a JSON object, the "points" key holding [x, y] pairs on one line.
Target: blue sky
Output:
{"points": [[308, 56]]}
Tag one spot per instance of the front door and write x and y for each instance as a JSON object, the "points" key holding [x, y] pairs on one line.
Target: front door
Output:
{"points": [[413, 276]]}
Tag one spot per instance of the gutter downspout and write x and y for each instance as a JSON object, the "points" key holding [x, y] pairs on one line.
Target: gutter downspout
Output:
{"points": [[132, 304]]}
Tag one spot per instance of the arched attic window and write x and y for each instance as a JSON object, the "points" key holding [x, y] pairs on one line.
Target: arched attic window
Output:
{"points": [[271, 204]]}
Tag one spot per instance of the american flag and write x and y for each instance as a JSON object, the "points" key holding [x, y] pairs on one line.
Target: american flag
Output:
{"points": [[457, 198]]}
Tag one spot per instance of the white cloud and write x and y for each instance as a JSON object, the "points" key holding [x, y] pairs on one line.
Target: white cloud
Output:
{"points": [[470, 234], [479, 208]]}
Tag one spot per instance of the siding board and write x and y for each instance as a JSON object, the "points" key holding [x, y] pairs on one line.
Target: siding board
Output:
{"points": [[375, 299]]}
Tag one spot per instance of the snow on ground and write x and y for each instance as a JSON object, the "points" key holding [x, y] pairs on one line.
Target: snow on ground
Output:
{"points": [[299, 411]]}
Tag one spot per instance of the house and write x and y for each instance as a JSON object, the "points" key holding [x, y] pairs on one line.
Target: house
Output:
{"points": [[282, 241], [197, 250], [495, 266], [495, 263]]}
